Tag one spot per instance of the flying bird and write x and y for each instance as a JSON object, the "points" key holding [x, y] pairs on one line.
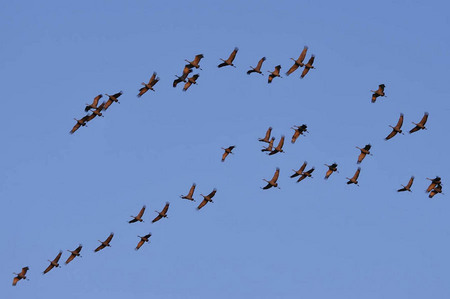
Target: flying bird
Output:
{"points": [[148, 86], [162, 214], [182, 78], [94, 103], [21, 275], [230, 59], [306, 174], [138, 217], [111, 99], [191, 80], [273, 181], [299, 62], [300, 170], [74, 253], [397, 128], [299, 130], [434, 182], [190, 194], [279, 148], [96, 112], [354, 179], [378, 93], [53, 263], [257, 69], [227, 152], [435, 190], [331, 168], [364, 151], [80, 122], [144, 239], [195, 62], [308, 66], [408, 186], [267, 137], [269, 148], [420, 125], [206, 199], [274, 74], [105, 243]]}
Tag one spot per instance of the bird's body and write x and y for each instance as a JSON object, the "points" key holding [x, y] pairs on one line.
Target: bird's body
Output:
{"points": [[148, 86], [94, 103], [96, 112], [298, 130], [21, 275], [420, 125], [331, 168], [74, 253], [105, 243], [162, 214], [195, 62], [274, 74], [267, 137], [191, 80], [273, 181], [435, 190], [144, 239], [190, 194], [308, 66], [269, 148], [257, 69], [53, 263], [227, 152], [138, 217], [397, 128], [434, 182], [408, 186], [80, 123], [111, 99], [364, 151], [206, 199], [230, 59], [300, 170], [182, 78], [354, 179], [378, 93], [299, 62], [279, 148]]}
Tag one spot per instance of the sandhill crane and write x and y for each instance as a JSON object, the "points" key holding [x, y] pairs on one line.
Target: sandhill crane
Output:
{"points": [[182, 78], [138, 217], [273, 181], [195, 62], [408, 186], [300, 171], [53, 263], [96, 112], [364, 151], [162, 214], [191, 80], [190, 194], [435, 190], [94, 103], [299, 130], [354, 179], [80, 122], [331, 168], [148, 86], [397, 128], [227, 152], [105, 243], [378, 93], [144, 239], [74, 253], [308, 66], [299, 62], [269, 148], [279, 148], [274, 74], [257, 69], [230, 59], [306, 174], [434, 182], [421, 124], [21, 275], [207, 198], [112, 98], [266, 138]]}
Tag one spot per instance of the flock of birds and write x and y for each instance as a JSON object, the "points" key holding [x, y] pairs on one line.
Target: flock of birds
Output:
{"points": [[435, 187]]}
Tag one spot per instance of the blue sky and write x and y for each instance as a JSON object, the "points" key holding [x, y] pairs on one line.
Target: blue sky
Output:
{"points": [[315, 239]]}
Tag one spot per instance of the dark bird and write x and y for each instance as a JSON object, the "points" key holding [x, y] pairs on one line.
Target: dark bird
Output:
{"points": [[94, 103], [190, 194], [364, 151], [144, 239], [227, 152], [138, 217], [308, 66], [435, 190], [206, 199], [397, 128], [112, 98], [182, 78], [274, 74], [21, 275], [195, 62], [96, 112], [269, 148], [421, 124], [299, 62], [434, 182], [408, 186], [257, 69], [230, 59], [267, 137], [273, 181], [74, 253], [148, 86], [306, 174], [80, 122], [191, 80], [105, 243], [331, 168], [162, 214], [53, 263], [300, 170], [302, 173], [299, 130], [378, 93], [354, 179], [279, 148]]}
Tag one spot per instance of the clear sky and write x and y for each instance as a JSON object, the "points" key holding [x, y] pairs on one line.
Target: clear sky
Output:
{"points": [[314, 239]]}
